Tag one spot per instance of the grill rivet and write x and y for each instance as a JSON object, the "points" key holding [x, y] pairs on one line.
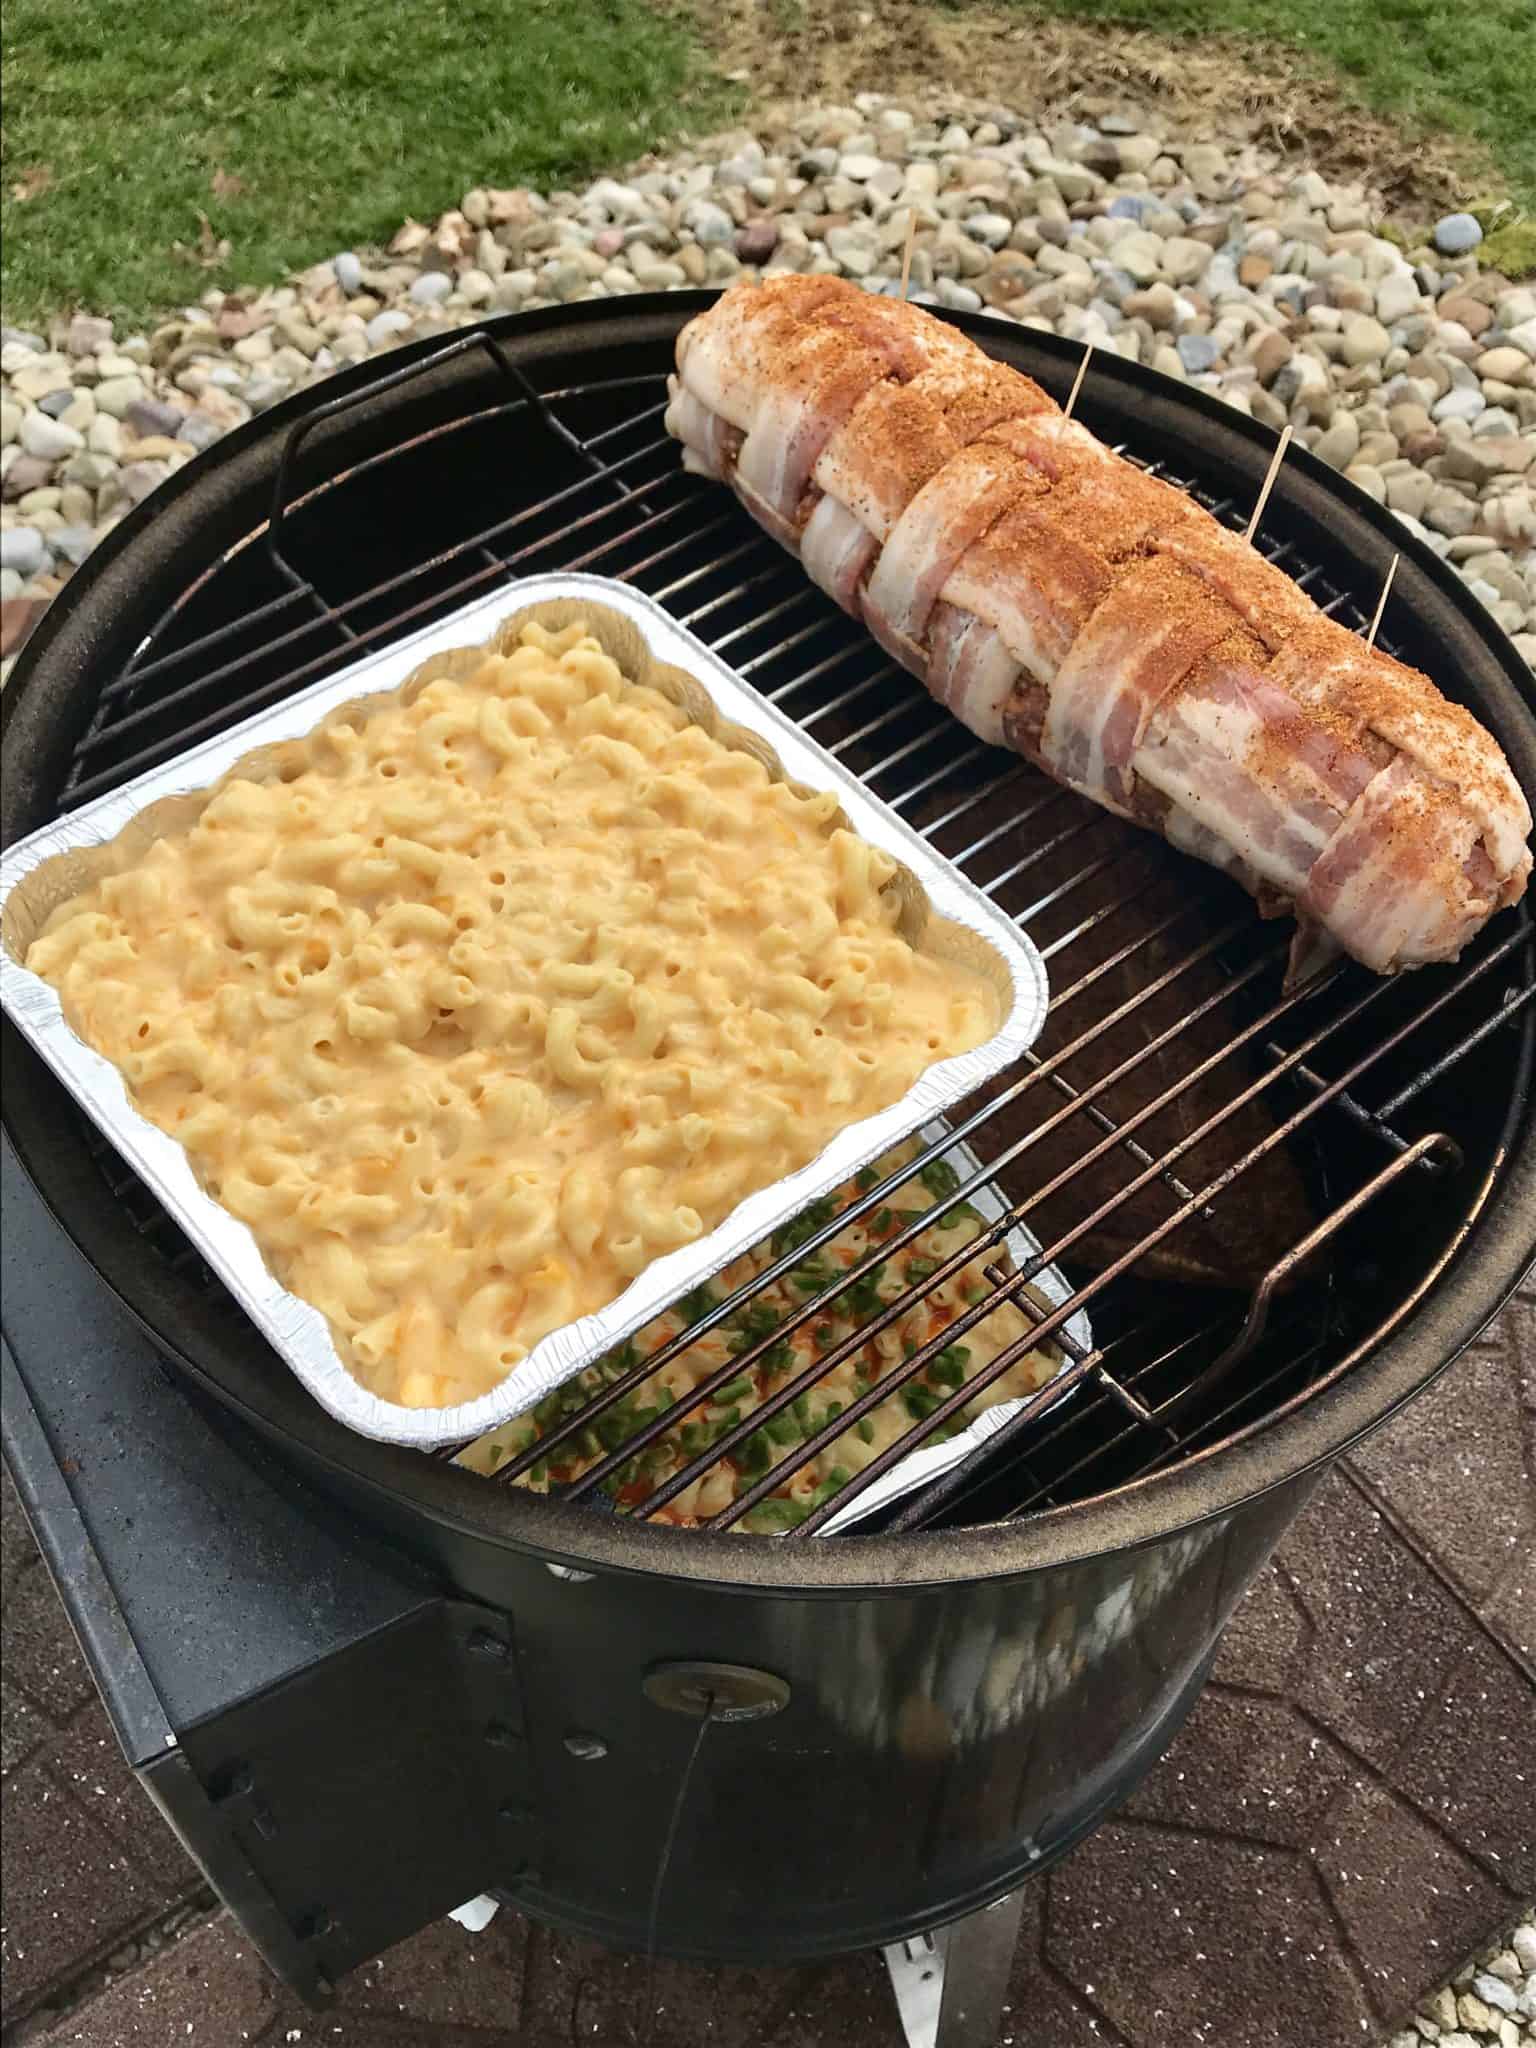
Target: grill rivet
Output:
{"points": [[587, 1747], [481, 1643], [499, 1735]]}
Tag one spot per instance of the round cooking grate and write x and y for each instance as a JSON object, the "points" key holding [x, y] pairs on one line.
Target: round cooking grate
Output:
{"points": [[1334, 1116]]}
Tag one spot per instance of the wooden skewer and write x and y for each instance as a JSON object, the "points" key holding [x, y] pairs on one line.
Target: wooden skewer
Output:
{"points": [[1077, 381], [906, 254], [1381, 602], [1269, 483]]}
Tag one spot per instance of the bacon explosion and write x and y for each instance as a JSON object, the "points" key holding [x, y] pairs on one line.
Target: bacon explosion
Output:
{"points": [[1099, 622]]}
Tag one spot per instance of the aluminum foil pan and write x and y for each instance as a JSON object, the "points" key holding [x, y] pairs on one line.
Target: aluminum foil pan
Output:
{"points": [[1048, 1289], [942, 913]]}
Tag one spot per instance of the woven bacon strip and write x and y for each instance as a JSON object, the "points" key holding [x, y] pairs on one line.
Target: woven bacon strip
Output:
{"points": [[1099, 622]]}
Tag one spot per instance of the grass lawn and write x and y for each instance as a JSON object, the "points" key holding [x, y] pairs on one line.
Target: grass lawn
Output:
{"points": [[1468, 66], [299, 127]]}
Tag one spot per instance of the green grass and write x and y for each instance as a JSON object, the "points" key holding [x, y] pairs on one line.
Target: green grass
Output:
{"points": [[300, 127], [1467, 66], [339, 118]]}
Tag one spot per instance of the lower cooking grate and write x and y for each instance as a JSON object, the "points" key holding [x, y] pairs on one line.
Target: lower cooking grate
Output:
{"points": [[1186, 1138]]}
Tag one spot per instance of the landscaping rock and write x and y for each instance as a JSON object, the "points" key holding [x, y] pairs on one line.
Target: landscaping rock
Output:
{"points": [[1457, 234], [1202, 257]]}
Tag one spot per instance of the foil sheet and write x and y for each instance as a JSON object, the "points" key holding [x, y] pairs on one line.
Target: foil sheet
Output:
{"points": [[942, 913]]}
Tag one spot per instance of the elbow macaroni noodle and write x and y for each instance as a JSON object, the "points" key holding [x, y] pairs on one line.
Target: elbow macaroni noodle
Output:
{"points": [[474, 1005]]}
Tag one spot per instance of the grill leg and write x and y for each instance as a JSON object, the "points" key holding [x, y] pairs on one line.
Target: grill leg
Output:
{"points": [[950, 1986]]}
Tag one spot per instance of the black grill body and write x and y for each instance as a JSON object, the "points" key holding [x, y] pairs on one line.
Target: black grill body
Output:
{"points": [[967, 1692]]}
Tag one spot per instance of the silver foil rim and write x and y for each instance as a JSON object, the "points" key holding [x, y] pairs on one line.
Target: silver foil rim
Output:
{"points": [[942, 903]]}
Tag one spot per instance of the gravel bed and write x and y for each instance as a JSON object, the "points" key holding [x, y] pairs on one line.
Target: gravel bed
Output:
{"points": [[1493, 2000], [1407, 368]]}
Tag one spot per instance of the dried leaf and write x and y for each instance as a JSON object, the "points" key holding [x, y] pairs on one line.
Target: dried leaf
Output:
{"points": [[226, 185], [35, 179], [212, 250]]}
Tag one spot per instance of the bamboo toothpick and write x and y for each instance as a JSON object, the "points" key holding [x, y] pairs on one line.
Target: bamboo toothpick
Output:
{"points": [[1269, 483], [1381, 602], [1077, 381], [906, 254]]}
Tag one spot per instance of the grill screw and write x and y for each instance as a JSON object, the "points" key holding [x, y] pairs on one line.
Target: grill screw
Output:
{"points": [[589, 1748], [499, 1735], [313, 1925], [481, 1643]]}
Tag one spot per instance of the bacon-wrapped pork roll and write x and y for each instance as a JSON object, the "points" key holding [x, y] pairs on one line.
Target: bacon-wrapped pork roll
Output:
{"points": [[1066, 605]]}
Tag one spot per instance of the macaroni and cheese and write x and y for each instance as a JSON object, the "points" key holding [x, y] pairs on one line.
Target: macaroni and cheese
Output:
{"points": [[475, 1002]]}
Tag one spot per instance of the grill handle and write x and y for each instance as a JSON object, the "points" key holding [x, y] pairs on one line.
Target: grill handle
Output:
{"points": [[419, 366], [921, 1509], [1444, 1151]]}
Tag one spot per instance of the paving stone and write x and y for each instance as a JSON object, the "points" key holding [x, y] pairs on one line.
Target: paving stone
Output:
{"points": [[210, 1989], [1411, 1905], [1390, 1626], [87, 1759], [1142, 1921], [1453, 1467], [70, 1893], [42, 1658], [446, 1974], [16, 1546], [1255, 1768], [22, 1728]]}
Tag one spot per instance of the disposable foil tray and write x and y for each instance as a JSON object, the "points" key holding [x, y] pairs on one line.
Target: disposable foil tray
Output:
{"points": [[941, 912]]}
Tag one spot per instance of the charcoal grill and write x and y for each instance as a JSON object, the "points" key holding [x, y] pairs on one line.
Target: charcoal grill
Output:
{"points": [[1286, 1211]]}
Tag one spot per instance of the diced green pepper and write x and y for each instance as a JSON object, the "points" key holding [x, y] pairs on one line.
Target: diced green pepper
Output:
{"points": [[774, 1517], [834, 1482], [939, 1177], [756, 1321], [784, 1428], [922, 1269], [806, 1224], [811, 1275], [863, 1297], [694, 1307], [755, 1455], [866, 1429], [865, 1179], [961, 1213], [738, 1390], [948, 1369], [920, 1402]]}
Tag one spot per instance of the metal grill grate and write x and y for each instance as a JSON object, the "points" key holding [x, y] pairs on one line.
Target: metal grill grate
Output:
{"points": [[1241, 1073]]}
